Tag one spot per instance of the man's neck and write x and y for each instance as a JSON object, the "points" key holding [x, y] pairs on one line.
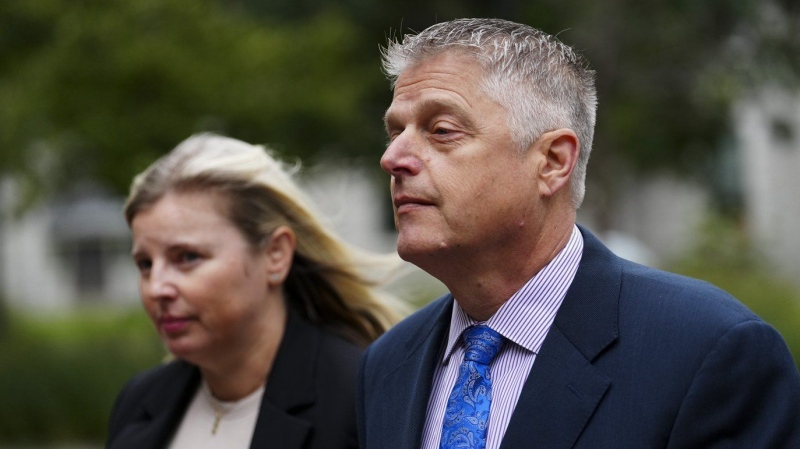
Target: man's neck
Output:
{"points": [[482, 284]]}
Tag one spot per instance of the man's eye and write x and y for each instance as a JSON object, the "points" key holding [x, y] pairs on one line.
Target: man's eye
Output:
{"points": [[392, 134]]}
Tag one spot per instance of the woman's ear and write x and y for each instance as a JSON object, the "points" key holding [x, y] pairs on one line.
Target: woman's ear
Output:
{"points": [[560, 150], [280, 253]]}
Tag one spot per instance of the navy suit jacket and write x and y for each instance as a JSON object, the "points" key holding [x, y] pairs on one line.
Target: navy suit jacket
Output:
{"points": [[636, 358], [308, 403]]}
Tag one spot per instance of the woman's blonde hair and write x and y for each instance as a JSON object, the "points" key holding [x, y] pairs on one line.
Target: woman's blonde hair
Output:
{"points": [[330, 283]]}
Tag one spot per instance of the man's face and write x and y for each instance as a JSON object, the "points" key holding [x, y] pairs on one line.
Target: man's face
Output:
{"points": [[460, 185]]}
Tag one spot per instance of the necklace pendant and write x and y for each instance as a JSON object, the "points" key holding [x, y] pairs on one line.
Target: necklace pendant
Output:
{"points": [[217, 418]]}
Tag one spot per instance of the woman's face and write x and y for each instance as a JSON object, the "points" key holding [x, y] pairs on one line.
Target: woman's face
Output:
{"points": [[206, 290]]}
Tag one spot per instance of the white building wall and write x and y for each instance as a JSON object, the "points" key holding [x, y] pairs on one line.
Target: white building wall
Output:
{"points": [[39, 266], [353, 203], [34, 277], [771, 172], [663, 211], [123, 285], [655, 219]]}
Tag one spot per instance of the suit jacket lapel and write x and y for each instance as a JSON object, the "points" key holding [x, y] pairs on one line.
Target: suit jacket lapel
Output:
{"points": [[162, 410], [289, 387], [564, 388], [408, 386]]}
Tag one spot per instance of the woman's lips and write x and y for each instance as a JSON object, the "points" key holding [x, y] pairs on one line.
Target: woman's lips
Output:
{"points": [[171, 325]]}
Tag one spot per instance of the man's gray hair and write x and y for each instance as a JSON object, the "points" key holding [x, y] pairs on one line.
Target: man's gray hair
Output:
{"points": [[542, 83]]}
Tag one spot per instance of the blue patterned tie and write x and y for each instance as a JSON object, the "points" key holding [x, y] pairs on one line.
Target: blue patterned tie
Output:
{"points": [[466, 418]]}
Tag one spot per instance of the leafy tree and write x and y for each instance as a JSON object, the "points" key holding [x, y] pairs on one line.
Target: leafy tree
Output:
{"points": [[98, 89]]}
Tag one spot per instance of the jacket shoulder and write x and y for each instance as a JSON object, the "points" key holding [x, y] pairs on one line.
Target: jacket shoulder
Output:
{"points": [[672, 294], [156, 377], [338, 356], [129, 404], [416, 325]]}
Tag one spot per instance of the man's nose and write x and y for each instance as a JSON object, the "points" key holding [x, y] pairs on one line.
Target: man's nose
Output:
{"points": [[402, 155]]}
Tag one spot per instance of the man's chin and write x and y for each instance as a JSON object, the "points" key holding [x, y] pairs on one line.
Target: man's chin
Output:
{"points": [[420, 252]]}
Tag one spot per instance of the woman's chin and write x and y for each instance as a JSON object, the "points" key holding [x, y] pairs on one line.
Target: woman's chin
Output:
{"points": [[182, 349]]}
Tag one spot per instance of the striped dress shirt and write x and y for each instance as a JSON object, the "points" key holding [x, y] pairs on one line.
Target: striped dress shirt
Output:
{"points": [[524, 321]]}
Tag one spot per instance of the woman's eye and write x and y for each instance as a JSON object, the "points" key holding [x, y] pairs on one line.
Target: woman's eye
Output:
{"points": [[188, 257], [143, 265]]}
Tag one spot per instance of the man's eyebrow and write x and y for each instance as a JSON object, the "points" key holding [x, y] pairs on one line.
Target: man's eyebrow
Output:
{"points": [[386, 118], [432, 107]]}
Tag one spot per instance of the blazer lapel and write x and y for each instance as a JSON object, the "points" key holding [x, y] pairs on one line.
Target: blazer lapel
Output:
{"points": [[564, 388], [408, 387], [289, 387], [278, 429], [162, 410]]}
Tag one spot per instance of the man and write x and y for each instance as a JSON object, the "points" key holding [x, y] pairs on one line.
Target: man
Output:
{"points": [[567, 345]]}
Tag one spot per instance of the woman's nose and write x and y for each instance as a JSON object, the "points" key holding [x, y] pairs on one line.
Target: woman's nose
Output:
{"points": [[159, 284]]}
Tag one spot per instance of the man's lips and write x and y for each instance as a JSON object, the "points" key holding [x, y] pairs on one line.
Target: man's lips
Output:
{"points": [[407, 202]]}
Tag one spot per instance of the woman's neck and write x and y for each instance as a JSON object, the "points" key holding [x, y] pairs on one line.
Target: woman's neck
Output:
{"points": [[246, 367]]}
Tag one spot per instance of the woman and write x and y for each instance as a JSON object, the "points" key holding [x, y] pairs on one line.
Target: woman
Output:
{"points": [[265, 311]]}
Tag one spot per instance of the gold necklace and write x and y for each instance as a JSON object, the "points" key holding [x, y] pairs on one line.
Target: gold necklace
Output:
{"points": [[217, 417], [221, 409], [215, 404]]}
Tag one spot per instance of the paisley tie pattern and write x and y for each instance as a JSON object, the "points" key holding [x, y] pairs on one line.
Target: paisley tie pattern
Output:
{"points": [[466, 418]]}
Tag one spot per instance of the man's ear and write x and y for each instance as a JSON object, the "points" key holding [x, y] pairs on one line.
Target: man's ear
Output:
{"points": [[559, 150], [280, 253]]}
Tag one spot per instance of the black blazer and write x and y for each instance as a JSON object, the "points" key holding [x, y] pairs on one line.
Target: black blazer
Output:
{"points": [[636, 358], [308, 402]]}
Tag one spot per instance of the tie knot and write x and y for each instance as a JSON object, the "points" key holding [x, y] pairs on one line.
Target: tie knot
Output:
{"points": [[483, 344]]}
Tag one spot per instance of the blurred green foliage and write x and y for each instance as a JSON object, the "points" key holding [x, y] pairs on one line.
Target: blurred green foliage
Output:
{"points": [[725, 257], [59, 376], [99, 89]]}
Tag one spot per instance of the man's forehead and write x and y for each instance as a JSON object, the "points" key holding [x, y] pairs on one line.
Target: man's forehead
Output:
{"points": [[438, 84], [445, 61]]}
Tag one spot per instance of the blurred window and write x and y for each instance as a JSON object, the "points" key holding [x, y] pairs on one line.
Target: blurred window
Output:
{"points": [[783, 133], [90, 269]]}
